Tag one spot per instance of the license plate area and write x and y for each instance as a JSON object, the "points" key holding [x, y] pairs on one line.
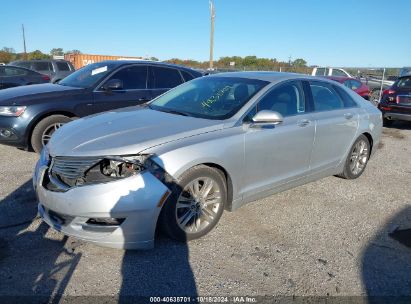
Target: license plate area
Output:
{"points": [[404, 100]]}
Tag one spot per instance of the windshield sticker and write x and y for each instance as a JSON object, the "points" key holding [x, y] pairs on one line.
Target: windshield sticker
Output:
{"points": [[214, 98], [98, 70]]}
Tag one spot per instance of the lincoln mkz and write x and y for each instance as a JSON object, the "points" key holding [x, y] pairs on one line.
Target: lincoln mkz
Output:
{"points": [[211, 144]]}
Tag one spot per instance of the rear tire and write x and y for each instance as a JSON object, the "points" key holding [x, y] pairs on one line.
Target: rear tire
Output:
{"points": [[195, 205], [357, 158], [387, 122], [44, 129]]}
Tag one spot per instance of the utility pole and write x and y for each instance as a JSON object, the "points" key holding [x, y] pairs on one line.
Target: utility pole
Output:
{"points": [[24, 42], [212, 14]]}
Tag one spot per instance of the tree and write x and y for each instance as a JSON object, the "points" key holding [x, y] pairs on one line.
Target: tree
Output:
{"points": [[57, 52], [73, 52], [8, 50], [37, 54], [299, 63], [153, 58]]}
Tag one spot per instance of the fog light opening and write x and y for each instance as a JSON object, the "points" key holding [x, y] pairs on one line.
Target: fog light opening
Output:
{"points": [[110, 221], [5, 133]]}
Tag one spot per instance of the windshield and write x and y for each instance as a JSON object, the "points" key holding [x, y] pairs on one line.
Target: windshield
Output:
{"points": [[209, 97], [89, 75]]}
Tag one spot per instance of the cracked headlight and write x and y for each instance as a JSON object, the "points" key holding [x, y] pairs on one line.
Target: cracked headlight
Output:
{"points": [[113, 168]]}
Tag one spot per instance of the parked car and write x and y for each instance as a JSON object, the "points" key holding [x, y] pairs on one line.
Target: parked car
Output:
{"points": [[14, 76], [322, 71], [353, 84], [29, 115], [212, 144], [396, 101], [406, 71], [55, 69], [375, 84]]}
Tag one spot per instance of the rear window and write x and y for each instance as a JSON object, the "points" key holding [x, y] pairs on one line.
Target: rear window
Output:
{"points": [[42, 66], [21, 64], [62, 66], [320, 72], [404, 83], [347, 99], [338, 72], [186, 75], [10, 71], [165, 78]]}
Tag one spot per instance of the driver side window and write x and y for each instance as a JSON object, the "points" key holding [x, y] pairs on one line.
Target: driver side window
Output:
{"points": [[286, 99], [133, 77]]}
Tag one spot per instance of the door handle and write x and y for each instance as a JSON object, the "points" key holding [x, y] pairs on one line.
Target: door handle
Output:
{"points": [[144, 99], [303, 123], [348, 115]]}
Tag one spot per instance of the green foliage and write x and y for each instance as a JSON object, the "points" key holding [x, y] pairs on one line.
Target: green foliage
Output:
{"points": [[57, 52], [299, 63], [73, 52], [37, 54]]}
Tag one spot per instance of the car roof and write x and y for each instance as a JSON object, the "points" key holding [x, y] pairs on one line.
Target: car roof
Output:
{"points": [[159, 63], [339, 78], [266, 76], [19, 67]]}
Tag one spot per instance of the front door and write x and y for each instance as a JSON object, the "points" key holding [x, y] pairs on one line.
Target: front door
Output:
{"points": [[133, 92], [278, 154]]}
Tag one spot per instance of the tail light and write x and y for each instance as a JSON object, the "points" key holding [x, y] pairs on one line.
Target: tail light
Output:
{"points": [[388, 92], [45, 77]]}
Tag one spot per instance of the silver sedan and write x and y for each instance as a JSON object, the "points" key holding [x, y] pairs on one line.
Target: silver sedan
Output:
{"points": [[209, 145]]}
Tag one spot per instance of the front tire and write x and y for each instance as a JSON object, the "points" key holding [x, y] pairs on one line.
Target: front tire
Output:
{"points": [[195, 205], [357, 158], [43, 131]]}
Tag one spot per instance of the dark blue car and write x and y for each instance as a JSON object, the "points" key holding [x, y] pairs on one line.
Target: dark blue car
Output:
{"points": [[11, 76], [30, 114]]}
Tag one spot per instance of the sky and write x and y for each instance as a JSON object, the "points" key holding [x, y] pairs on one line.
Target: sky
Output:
{"points": [[348, 33]]}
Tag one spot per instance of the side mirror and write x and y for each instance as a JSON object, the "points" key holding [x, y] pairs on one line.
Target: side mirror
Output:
{"points": [[266, 117], [113, 84]]}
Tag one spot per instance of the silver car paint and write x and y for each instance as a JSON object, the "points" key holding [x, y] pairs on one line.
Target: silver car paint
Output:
{"points": [[257, 161]]}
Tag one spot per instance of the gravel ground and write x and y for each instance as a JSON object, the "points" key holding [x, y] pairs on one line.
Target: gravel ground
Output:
{"points": [[330, 237]]}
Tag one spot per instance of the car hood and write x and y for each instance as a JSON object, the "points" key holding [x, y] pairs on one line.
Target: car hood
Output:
{"points": [[23, 94], [125, 131]]}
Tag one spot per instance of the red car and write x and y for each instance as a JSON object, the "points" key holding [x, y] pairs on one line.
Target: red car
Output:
{"points": [[354, 84]]}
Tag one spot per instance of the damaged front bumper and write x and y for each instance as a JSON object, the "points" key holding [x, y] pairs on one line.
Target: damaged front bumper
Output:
{"points": [[118, 214]]}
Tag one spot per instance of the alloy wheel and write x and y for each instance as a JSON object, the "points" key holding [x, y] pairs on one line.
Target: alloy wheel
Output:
{"points": [[48, 132], [359, 157], [198, 205]]}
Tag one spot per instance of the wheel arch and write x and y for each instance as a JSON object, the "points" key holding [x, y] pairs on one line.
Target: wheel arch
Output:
{"points": [[39, 118], [229, 183], [370, 140]]}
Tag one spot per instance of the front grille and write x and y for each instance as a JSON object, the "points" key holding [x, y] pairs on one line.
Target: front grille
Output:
{"points": [[69, 169]]}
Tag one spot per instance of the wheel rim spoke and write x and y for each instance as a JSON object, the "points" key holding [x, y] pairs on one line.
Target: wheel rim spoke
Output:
{"points": [[359, 157], [198, 205]]}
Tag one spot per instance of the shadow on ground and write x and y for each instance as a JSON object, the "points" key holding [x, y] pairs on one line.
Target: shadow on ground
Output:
{"points": [[386, 261], [30, 263], [33, 263]]}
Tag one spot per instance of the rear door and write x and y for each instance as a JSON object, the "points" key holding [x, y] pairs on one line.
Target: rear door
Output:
{"points": [[163, 79], [336, 120], [134, 91]]}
